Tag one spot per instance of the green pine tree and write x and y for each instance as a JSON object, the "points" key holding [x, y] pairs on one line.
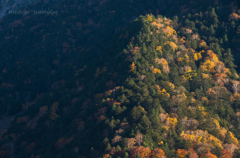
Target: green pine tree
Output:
{"points": [[126, 155], [138, 155]]}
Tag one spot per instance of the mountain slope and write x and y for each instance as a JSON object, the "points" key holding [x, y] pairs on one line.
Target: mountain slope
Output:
{"points": [[86, 83], [158, 96]]}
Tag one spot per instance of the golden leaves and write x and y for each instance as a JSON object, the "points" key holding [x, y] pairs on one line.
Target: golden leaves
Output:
{"points": [[149, 18], [170, 84], [195, 56], [205, 75], [233, 139], [179, 59], [132, 67], [159, 48], [202, 43], [200, 136], [208, 65], [155, 70], [172, 44], [169, 31], [168, 121]]}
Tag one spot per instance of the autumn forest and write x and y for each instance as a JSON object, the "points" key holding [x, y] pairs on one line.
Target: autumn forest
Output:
{"points": [[121, 79]]}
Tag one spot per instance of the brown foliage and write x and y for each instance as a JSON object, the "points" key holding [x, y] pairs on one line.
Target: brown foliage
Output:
{"points": [[42, 110], [22, 119], [112, 151], [117, 138], [101, 111], [192, 154], [189, 124], [60, 143], [124, 125], [102, 117], [235, 86], [130, 143], [230, 147], [118, 132], [204, 99], [221, 79], [134, 50], [139, 139], [54, 108], [194, 36]]}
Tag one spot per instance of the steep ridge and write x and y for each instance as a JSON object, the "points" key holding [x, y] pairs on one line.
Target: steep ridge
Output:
{"points": [[65, 73], [157, 96], [81, 31]]}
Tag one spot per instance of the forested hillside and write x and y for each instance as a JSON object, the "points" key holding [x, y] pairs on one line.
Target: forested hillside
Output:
{"points": [[121, 79]]}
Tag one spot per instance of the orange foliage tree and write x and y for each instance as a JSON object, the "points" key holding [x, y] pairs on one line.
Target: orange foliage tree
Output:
{"points": [[181, 153], [226, 154], [157, 152], [208, 155], [143, 151]]}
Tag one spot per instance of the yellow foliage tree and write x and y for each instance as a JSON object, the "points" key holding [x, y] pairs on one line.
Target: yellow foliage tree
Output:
{"points": [[187, 57], [205, 75], [159, 48], [170, 84], [179, 59], [155, 70], [195, 56], [233, 139], [199, 136], [132, 66], [172, 44], [149, 18], [199, 55], [164, 92], [202, 43], [208, 65]]}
